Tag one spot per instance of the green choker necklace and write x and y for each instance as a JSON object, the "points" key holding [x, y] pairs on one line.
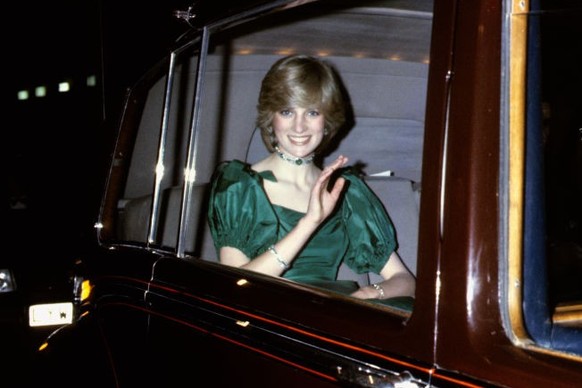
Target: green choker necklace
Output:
{"points": [[295, 161]]}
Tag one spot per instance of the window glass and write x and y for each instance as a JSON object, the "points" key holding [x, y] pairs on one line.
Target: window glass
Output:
{"points": [[154, 159], [553, 190], [562, 137]]}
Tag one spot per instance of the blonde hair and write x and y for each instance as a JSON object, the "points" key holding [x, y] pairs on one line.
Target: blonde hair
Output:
{"points": [[303, 81]]}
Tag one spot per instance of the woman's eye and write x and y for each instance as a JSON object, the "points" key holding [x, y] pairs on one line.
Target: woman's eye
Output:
{"points": [[313, 113], [285, 112]]}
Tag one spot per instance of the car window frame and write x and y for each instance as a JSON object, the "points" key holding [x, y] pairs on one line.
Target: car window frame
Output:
{"points": [[528, 312]]}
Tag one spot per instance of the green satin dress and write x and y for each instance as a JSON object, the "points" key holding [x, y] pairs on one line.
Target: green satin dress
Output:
{"points": [[359, 232]]}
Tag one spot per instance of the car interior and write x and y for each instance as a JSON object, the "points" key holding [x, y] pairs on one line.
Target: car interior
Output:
{"points": [[386, 85]]}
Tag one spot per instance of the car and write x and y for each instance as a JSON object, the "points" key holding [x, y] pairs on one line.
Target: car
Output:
{"points": [[465, 123]]}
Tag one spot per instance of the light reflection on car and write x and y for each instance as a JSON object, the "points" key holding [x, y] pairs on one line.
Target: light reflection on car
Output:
{"points": [[447, 129]]}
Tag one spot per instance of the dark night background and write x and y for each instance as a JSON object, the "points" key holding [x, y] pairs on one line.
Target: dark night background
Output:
{"points": [[58, 147]]}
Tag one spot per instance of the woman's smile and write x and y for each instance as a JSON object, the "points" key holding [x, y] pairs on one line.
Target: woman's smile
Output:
{"points": [[299, 140]]}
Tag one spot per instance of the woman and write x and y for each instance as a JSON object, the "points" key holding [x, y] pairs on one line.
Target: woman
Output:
{"points": [[284, 216]]}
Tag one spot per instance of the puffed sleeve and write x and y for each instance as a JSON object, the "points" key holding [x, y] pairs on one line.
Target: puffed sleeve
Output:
{"points": [[239, 214], [369, 228]]}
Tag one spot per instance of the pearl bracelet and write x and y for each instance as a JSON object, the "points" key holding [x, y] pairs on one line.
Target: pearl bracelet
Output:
{"points": [[281, 261], [380, 290]]}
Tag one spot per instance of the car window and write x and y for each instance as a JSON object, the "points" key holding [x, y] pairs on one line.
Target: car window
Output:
{"points": [[382, 56], [385, 81], [551, 262], [561, 139], [148, 172]]}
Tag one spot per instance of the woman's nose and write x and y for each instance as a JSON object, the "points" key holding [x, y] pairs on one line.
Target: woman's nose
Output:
{"points": [[299, 124]]}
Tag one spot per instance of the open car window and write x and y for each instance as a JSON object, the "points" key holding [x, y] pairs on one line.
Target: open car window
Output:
{"points": [[163, 183]]}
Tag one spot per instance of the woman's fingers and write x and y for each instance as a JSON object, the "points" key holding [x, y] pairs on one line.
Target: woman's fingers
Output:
{"points": [[338, 163], [322, 202], [337, 188], [325, 175]]}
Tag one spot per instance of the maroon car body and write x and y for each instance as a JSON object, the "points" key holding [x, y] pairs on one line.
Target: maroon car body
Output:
{"points": [[477, 100]]}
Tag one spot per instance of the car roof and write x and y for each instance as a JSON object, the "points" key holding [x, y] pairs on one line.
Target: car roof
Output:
{"points": [[409, 20]]}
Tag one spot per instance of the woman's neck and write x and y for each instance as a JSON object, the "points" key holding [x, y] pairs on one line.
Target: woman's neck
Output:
{"points": [[293, 160], [300, 175]]}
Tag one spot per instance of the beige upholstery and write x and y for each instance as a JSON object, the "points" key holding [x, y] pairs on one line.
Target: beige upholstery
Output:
{"points": [[137, 212], [387, 135]]}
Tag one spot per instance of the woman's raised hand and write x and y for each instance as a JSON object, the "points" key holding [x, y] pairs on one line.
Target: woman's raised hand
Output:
{"points": [[322, 202]]}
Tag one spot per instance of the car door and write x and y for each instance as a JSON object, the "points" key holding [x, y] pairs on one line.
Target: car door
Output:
{"points": [[247, 321]]}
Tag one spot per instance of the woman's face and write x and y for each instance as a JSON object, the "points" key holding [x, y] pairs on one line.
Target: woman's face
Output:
{"points": [[298, 130]]}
